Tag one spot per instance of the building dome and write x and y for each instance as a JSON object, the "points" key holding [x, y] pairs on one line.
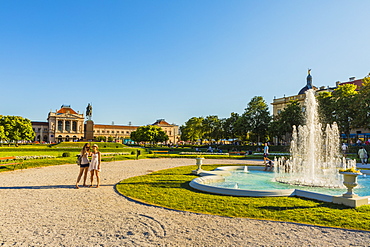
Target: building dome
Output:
{"points": [[309, 83], [303, 90]]}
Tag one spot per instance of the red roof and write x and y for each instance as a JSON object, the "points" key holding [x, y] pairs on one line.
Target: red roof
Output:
{"points": [[65, 109], [161, 122], [358, 83]]}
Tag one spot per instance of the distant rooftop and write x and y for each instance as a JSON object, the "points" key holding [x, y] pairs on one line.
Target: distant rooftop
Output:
{"points": [[66, 109]]}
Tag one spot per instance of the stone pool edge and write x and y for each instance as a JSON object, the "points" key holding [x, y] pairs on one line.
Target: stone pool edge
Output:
{"points": [[203, 183]]}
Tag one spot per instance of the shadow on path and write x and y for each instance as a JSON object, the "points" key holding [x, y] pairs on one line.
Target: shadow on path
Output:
{"points": [[42, 187]]}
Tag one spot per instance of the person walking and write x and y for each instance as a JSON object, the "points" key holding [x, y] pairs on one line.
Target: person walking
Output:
{"points": [[266, 161], [95, 167], [344, 149], [362, 154], [84, 164]]}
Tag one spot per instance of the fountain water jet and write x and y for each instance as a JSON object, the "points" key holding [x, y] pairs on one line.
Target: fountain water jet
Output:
{"points": [[315, 154]]}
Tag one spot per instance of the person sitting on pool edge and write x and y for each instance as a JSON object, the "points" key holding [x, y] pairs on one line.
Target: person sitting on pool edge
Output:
{"points": [[268, 165]]}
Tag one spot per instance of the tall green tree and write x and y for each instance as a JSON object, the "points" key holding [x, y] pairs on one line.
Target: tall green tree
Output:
{"points": [[362, 105], [150, 133], [2, 134], [229, 126], [282, 126], [326, 107], [344, 112], [193, 129], [16, 129], [212, 129], [256, 119]]}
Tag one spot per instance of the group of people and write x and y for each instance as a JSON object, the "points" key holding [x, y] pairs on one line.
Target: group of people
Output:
{"points": [[93, 166]]}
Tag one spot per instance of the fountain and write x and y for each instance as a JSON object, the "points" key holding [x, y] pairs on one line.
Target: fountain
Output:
{"points": [[314, 164], [315, 155]]}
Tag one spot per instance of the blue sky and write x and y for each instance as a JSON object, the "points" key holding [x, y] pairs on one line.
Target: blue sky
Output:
{"points": [[139, 61]]}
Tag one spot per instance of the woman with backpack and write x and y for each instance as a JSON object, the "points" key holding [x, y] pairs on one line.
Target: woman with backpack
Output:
{"points": [[84, 164]]}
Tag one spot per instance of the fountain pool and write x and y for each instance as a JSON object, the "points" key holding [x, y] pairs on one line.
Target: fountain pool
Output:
{"points": [[261, 180], [312, 171], [236, 181]]}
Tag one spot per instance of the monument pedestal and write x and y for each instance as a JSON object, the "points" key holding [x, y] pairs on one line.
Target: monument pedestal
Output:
{"points": [[89, 130]]}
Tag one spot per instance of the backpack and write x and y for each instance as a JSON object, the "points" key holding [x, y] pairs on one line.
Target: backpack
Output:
{"points": [[79, 159]]}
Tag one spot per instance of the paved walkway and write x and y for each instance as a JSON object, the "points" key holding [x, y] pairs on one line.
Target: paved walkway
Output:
{"points": [[40, 207]]}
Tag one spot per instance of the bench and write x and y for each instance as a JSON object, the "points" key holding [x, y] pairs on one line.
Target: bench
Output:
{"points": [[10, 158]]}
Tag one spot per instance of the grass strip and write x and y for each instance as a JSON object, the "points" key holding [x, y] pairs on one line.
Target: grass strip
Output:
{"points": [[170, 188]]}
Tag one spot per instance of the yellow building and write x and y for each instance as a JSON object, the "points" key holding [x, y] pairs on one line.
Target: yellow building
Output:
{"points": [[280, 103], [67, 125], [171, 130]]}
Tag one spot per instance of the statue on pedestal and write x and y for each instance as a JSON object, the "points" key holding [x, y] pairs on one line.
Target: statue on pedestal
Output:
{"points": [[89, 111]]}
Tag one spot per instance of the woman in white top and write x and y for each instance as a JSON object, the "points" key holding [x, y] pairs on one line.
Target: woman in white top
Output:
{"points": [[94, 167], [84, 165]]}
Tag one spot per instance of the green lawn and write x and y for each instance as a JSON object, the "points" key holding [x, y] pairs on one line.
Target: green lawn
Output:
{"points": [[170, 188], [72, 148]]}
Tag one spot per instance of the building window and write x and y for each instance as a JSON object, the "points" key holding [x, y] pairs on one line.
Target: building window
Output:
{"points": [[103, 131], [45, 130], [74, 126], [127, 132], [60, 125], [68, 126], [112, 131], [98, 131]]}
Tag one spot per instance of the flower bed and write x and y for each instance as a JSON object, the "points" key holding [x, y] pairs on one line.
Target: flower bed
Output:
{"points": [[32, 157], [202, 153], [114, 154]]}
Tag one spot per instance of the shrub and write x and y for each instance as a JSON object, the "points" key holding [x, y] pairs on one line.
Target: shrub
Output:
{"points": [[66, 155]]}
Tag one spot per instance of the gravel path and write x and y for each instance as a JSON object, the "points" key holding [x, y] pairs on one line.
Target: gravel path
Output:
{"points": [[40, 207]]}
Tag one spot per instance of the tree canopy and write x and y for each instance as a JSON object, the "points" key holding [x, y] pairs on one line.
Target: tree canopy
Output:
{"points": [[15, 129], [282, 126], [150, 133]]}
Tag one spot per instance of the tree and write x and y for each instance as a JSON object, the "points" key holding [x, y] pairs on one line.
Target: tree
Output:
{"points": [[2, 135], [282, 126], [16, 129], [256, 118], [326, 107], [150, 133], [212, 128], [193, 129], [229, 126], [344, 111], [362, 105]]}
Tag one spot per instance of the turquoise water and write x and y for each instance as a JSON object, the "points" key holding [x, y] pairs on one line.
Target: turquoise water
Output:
{"points": [[261, 180]]}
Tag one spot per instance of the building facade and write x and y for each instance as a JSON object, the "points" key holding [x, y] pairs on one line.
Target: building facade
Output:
{"points": [[67, 125], [280, 103], [171, 130]]}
